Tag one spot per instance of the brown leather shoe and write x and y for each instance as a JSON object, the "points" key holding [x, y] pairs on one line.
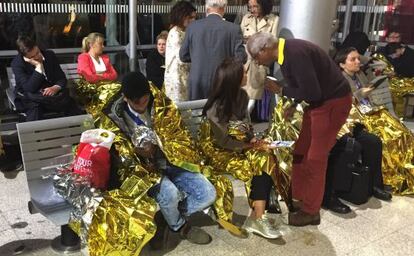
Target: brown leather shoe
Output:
{"points": [[301, 218]]}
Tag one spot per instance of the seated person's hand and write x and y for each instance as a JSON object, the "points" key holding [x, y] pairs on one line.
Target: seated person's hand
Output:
{"points": [[390, 74], [33, 62], [289, 111], [50, 91], [253, 140], [260, 144], [272, 86], [147, 151], [365, 91]]}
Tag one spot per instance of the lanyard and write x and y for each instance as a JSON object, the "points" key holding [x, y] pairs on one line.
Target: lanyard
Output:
{"points": [[136, 119]]}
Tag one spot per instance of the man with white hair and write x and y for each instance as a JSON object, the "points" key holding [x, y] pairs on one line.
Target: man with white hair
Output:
{"points": [[311, 76], [206, 44]]}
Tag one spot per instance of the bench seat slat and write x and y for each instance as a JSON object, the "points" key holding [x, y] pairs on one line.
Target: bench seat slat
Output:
{"points": [[34, 146], [38, 168], [56, 123], [36, 173], [45, 135], [44, 154]]}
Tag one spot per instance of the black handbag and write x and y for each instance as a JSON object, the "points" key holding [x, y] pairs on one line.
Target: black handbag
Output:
{"points": [[359, 192], [342, 160], [273, 205], [345, 174]]}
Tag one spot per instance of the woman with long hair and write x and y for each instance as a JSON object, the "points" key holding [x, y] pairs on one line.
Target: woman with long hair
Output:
{"points": [[230, 146], [176, 71]]}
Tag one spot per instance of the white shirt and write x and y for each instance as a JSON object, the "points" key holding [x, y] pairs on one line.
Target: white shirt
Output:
{"points": [[99, 66], [40, 69], [144, 117]]}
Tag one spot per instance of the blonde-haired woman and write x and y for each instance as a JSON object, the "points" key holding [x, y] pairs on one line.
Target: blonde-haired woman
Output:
{"points": [[260, 19], [93, 65]]}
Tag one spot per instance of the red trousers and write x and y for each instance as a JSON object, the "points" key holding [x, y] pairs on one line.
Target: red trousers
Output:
{"points": [[310, 157]]}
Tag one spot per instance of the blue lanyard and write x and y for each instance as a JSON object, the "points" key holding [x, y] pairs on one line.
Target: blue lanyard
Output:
{"points": [[136, 119], [358, 84]]}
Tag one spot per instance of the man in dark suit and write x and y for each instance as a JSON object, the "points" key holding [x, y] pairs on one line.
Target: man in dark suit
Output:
{"points": [[40, 82], [207, 42]]}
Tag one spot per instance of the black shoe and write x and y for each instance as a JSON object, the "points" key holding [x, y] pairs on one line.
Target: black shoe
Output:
{"points": [[10, 166], [388, 188], [381, 194], [335, 205], [195, 235], [158, 241]]}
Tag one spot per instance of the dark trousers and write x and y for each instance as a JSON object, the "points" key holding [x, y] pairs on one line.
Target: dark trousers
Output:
{"points": [[261, 186], [35, 105], [310, 156]]}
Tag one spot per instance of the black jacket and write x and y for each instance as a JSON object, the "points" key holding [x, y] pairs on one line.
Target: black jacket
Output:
{"points": [[311, 75], [29, 80], [404, 65], [155, 72]]}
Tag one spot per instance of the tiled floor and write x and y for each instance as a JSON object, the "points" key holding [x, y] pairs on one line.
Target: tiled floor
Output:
{"points": [[375, 228]]}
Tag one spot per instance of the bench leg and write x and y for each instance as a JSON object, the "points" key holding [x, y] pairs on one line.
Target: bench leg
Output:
{"points": [[67, 242]]}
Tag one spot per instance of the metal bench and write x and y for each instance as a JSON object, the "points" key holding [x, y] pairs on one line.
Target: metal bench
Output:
{"points": [[191, 113], [409, 106], [45, 145], [382, 96], [69, 69]]}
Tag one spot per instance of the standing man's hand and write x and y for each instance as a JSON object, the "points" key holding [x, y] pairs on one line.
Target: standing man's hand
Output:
{"points": [[273, 86]]}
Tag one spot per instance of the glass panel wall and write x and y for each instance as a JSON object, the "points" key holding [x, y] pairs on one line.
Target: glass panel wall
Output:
{"points": [[61, 24]]}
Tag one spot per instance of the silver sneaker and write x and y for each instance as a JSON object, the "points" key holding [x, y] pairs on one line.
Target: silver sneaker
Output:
{"points": [[262, 227]]}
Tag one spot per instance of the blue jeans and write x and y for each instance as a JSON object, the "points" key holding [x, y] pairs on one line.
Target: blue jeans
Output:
{"points": [[182, 193]]}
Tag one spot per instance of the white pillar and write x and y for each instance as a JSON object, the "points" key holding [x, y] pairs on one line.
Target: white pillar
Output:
{"points": [[111, 26], [132, 33], [347, 21], [310, 20]]}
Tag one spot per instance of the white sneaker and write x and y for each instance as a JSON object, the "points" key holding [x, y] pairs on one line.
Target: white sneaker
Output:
{"points": [[262, 227]]}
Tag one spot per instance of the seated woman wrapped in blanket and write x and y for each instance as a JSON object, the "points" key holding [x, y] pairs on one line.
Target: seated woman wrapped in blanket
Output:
{"points": [[230, 146]]}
